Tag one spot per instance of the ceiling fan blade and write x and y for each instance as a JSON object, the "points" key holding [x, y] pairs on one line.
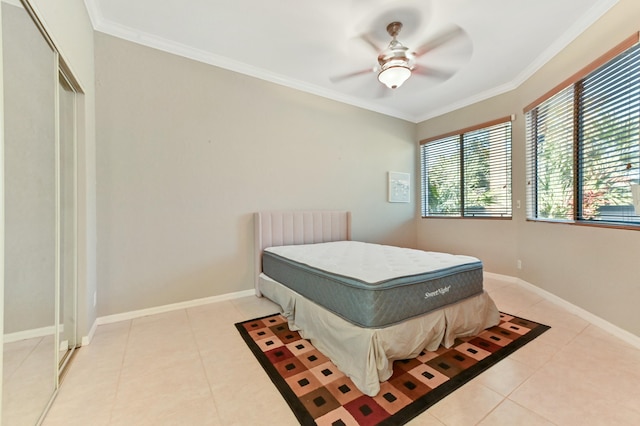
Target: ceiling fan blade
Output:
{"points": [[342, 77], [366, 37], [438, 73], [439, 39]]}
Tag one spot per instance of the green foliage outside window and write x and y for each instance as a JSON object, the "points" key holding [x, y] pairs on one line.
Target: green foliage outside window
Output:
{"points": [[606, 117]]}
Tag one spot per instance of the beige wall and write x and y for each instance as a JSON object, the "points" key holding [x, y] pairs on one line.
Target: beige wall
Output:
{"points": [[491, 240], [187, 151], [593, 268]]}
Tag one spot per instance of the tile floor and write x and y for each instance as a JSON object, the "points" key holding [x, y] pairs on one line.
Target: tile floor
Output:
{"points": [[190, 367], [28, 379]]}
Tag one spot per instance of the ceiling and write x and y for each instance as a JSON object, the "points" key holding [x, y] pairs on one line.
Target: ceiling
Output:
{"points": [[305, 44]]}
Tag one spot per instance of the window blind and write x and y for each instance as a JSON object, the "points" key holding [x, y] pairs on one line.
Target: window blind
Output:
{"points": [[468, 174], [550, 156], [609, 142], [583, 146], [440, 164], [487, 171]]}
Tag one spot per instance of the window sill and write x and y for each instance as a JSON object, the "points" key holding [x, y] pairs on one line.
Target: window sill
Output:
{"points": [[589, 224], [470, 217]]}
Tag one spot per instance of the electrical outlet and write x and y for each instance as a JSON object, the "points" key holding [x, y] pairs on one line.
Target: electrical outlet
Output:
{"points": [[95, 298], [519, 264]]}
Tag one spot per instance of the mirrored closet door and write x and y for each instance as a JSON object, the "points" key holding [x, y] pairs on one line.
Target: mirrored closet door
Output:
{"points": [[67, 208], [40, 217]]}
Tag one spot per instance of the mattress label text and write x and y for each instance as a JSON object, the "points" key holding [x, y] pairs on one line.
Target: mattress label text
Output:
{"points": [[438, 292]]}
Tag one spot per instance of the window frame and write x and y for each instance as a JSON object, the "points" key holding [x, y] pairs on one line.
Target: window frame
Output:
{"points": [[460, 142], [575, 82]]}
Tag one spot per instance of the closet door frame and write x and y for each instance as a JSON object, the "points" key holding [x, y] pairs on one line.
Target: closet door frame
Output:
{"points": [[60, 70]]}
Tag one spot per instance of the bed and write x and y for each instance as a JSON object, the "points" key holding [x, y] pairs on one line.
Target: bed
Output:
{"points": [[365, 322]]}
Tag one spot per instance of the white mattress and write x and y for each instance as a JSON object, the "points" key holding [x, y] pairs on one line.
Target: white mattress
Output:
{"points": [[371, 263]]}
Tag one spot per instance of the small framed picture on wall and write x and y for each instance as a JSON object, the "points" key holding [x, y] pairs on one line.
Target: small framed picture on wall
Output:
{"points": [[399, 187]]}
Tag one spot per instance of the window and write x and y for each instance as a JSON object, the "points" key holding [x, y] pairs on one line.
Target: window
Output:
{"points": [[468, 173], [584, 144]]}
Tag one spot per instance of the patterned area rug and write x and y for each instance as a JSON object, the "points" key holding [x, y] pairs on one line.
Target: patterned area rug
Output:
{"points": [[319, 394]]}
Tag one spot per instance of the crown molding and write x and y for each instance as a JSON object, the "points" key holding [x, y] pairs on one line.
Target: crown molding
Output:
{"points": [[572, 33], [114, 29], [105, 26]]}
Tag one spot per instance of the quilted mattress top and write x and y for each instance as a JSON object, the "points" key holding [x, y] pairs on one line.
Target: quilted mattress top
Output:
{"points": [[371, 263]]}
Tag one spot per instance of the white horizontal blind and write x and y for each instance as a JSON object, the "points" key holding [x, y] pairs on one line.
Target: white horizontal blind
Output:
{"points": [[487, 171], [440, 166], [583, 146], [550, 175], [468, 174], [609, 142]]}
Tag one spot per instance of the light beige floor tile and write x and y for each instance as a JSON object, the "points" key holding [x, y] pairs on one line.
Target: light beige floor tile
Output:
{"points": [[535, 354], [115, 330], [86, 403], [28, 389], [162, 333], [252, 403], [558, 336], [88, 390], [566, 397], [505, 376], [89, 384], [510, 413], [15, 353], [492, 284], [239, 370], [105, 352], [191, 367], [255, 307], [163, 320], [425, 419], [209, 340], [218, 317], [553, 315], [467, 405], [197, 411], [143, 360], [603, 347], [151, 396], [185, 377], [23, 403], [159, 330], [231, 353], [513, 299], [598, 368]]}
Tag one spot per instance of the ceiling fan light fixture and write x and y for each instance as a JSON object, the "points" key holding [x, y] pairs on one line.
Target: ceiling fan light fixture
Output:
{"points": [[394, 75]]}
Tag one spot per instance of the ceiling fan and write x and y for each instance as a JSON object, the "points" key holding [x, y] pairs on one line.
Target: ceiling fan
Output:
{"points": [[397, 62]]}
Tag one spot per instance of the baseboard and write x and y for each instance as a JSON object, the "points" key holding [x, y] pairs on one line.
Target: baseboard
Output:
{"points": [[500, 277], [29, 334], [616, 331], [172, 307], [610, 328], [88, 338]]}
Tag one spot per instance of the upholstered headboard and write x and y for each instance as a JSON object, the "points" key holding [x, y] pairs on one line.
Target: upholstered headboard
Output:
{"points": [[280, 228]]}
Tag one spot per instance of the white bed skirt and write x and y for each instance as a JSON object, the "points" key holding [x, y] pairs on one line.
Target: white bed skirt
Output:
{"points": [[366, 355]]}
